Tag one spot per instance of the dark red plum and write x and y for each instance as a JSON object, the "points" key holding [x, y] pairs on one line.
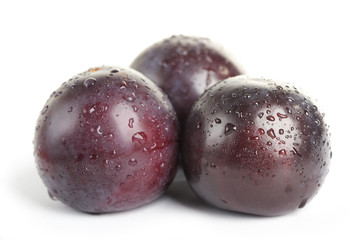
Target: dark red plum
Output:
{"points": [[106, 141], [256, 146], [184, 67]]}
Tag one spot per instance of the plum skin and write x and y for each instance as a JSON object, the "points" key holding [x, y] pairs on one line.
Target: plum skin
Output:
{"points": [[184, 67], [106, 141], [256, 146]]}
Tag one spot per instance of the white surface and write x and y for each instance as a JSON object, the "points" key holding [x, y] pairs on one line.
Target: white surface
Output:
{"points": [[313, 44]]}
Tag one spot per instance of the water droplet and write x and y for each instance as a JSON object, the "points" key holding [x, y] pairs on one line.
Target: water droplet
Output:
{"points": [[162, 165], [270, 118], [198, 126], [298, 118], [114, 71], [218, 121], [89, 82], [135, 108], [280, 115], [271, 133], [44, 110], [282, 152], [132, 162], [130, 97], [70, 109], [253, 138], [296, 152], [290, 99], [269, 143], [213, 165], [303, 203], [131, 122], [260, 115], [281, 131], [139, 138], [98, 130], [261, 131], [58, 94], [229, 128], [52, 196], [118, 167], [105, 162]]}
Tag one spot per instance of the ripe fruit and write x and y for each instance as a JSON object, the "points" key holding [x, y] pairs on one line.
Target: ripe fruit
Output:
{"points": [[107, 141], [184, 67], [256, 146]]}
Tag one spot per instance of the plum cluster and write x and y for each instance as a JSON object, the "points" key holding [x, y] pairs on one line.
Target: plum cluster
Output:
{"points": [[109, 139]]}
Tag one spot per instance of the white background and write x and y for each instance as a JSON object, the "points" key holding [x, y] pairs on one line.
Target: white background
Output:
{"points": [[313, 44]]}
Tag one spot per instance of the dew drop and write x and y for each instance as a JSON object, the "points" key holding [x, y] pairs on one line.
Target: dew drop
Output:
{"points": [[130, 97], [58, 94], [89, 82], [281, 131], [131, 122], [282, 152], [270, 118], [253, 138], [218, 121], [280, 115], [52, 196], [98, 130], [44, 110], [70, 109], [198, 126], [260, 115], [139, 138], [114, 71], [271, 133], [118, 167], [162, 165], [303, 203], [213, 165], [261, 131], [229, 128], [132, 162]]}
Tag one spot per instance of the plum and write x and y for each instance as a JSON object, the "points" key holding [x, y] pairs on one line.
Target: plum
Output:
{"points": [[106, 141], [256, 146], [184, 67]]}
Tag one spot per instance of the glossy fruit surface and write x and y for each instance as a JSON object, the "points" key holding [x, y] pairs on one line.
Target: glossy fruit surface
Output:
{"points": [[184, 67], [256, 146], [107, 140]]}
